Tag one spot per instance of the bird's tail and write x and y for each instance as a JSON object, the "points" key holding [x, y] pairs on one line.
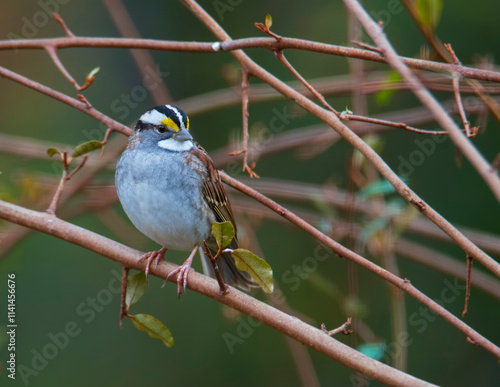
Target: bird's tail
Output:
{"points": [[227, 268]]}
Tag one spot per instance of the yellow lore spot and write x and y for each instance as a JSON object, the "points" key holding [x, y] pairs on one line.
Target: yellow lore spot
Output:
{"points": [[169, 123]]}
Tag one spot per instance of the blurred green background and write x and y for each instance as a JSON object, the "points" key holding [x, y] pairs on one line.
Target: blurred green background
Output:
{"points": [[56, 281]]}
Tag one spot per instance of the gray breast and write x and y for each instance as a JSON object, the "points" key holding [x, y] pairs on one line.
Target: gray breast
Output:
{"points": [[161, 194]]}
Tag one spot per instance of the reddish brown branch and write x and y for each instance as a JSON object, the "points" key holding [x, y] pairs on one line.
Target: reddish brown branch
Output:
{"points": [[332, 120], [239, 44], [402, 125], [468, 282], [286, 63], [245, 80], [342, 251], [343, 328], [462, 142], [289, 325], [123, 298], [66, 176], [458, 97], [61, 22]]}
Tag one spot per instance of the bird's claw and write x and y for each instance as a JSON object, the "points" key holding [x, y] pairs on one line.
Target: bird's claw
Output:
{"points": [[152, 256]]}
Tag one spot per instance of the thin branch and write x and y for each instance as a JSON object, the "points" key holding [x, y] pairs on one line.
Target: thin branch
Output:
{"points": [[458, 97], [245, 79], [286, 63], [465, 146], [341, 329], [52, 51], [448, 265], [289, 325], [233, 45], [61, 22], [342, 251], [402, 125], [467, 283], [404, 248], [431, 37], [349, 116], [332, 120], [66, 176], [287, 190], [123, 298]]}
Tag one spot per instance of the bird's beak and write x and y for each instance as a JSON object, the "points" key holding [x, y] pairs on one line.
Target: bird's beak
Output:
{"points": [[183, 135]]}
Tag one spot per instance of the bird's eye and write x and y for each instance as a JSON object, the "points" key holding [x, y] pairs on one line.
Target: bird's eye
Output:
{"points": [[161, 128]]}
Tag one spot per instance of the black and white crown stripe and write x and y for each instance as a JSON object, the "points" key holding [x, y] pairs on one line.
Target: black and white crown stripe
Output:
{"points": [[156, 115], [181, 116]]}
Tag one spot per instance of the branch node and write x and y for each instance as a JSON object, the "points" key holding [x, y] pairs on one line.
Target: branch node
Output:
{"points": [[341, 329], [82, 98], [61, 22], [266, 30]]}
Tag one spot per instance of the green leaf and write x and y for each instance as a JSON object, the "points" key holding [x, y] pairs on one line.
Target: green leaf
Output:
{"points": [[370, 229], [53, 151], [429, 12], [373, 350], [136, 287], [259, 270], [92, 74], [380, 187], [384, 96], [269, 21], [153, 327], [86, 147], [223, 233]]}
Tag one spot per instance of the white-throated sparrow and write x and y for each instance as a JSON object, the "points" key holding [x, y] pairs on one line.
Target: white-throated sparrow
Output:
{"points": [[172, 192]]}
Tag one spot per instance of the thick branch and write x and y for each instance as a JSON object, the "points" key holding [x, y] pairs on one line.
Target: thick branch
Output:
{"points": [[342, 251], [461, 141], [332, 120], [289, 325]]}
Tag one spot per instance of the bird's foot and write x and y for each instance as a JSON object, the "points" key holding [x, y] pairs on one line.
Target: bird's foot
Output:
{"points": [[153, 256], [182, 272]]}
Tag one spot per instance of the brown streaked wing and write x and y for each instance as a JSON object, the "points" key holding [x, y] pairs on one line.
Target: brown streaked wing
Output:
{"points": [[213, 190]]}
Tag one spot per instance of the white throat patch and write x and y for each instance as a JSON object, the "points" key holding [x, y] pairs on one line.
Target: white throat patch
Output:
{"points": [[174, 145]]}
